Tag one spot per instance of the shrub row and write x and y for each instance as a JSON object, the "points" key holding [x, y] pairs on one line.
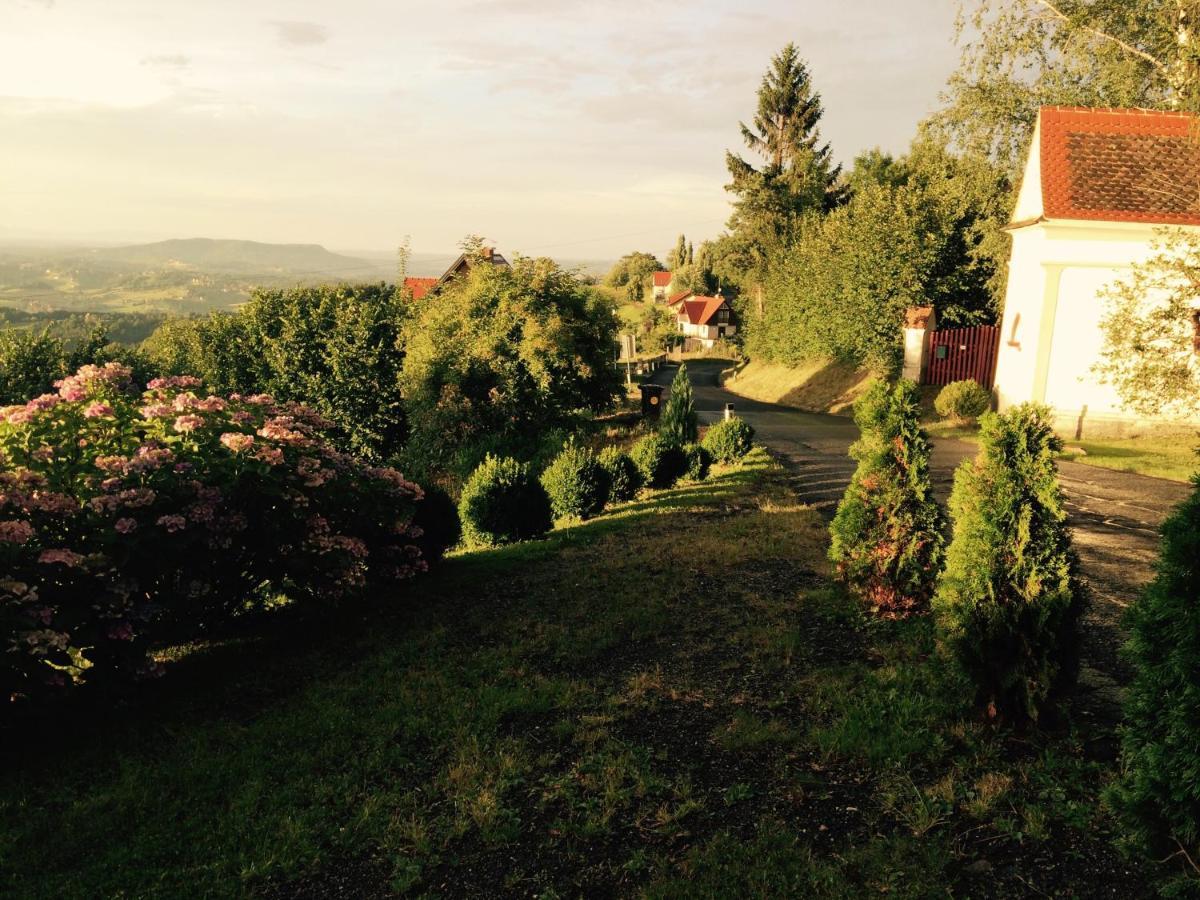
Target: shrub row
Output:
{"points": [[130, 518]]}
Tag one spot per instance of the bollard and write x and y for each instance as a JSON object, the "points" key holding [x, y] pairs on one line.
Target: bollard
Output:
{"points": [[728, 411]]}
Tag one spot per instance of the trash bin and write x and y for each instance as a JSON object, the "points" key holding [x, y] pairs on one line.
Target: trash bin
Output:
{"points": [[651, 400]]}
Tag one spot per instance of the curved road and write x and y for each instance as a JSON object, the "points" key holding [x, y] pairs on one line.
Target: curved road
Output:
{"points": [[1115, 516]]}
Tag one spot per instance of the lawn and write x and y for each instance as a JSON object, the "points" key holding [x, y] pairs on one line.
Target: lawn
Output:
{"points": [[667, 701]]}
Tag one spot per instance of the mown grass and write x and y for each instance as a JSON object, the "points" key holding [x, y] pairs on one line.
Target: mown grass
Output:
{"points": [[669, 701]]}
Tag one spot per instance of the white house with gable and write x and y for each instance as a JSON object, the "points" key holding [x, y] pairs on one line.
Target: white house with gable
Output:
{"points": [[1099, 187]]}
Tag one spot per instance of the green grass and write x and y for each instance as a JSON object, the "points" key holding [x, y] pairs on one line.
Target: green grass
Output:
{"points": [[669, 700], [1170, 456]]}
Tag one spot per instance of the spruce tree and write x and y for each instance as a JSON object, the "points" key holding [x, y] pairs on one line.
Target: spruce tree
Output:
{"points": [[1159, 793], [887, 543], [679, 424], [1008, 603]]}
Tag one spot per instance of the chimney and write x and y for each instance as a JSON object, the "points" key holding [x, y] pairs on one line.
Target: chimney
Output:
{"points": [[488, 252]]}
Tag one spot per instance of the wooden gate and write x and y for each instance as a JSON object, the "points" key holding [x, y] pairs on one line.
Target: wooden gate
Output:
{"points": [[956, 354]]}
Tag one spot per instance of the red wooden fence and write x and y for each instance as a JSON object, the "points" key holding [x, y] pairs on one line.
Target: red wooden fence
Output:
{"points": [[956, 354]]}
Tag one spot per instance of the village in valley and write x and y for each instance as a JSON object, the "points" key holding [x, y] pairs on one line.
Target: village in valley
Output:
{"points": [[833, 534]]}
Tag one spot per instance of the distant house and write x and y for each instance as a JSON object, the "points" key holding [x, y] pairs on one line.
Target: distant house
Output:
{"points": [[704, 320], [662, 286], [1098, 187], [420, 287]]}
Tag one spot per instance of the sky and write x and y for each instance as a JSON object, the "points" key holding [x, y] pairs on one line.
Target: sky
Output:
{"points": [[574, 128]]}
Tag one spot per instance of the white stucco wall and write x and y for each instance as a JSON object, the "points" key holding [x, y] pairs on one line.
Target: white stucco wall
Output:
{"points": [[1050, 332]]}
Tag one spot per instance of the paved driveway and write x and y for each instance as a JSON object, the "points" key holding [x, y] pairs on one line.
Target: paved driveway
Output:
{"points": [[1114, 515]]}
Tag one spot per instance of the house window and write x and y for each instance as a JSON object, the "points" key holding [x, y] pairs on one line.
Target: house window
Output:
{"points": [[723, 315]]}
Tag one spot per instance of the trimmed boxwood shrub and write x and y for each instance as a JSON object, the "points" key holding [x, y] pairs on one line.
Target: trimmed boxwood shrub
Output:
{"points": [[1159, 793], [502, 502], [728, 440], [962, 401], [576, 483], [623, 476], [698, 462], [887, 543], [437, 517], [1008, 604], [659, 461]]}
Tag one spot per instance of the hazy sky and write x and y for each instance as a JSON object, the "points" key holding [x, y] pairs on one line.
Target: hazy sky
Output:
{"points": [[579, 127]]}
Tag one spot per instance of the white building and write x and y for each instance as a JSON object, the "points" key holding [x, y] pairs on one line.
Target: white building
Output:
{"points": [[662, 286], [1099, 186], [704, 320]]}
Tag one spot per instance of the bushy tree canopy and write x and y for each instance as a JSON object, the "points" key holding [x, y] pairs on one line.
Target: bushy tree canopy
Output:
{"points": [[501, 356]]}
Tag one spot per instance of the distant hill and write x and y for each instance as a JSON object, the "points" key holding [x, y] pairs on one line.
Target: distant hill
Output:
{"points": [[237, 257]]}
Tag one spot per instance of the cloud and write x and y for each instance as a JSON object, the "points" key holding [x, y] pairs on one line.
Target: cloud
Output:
{"points": [[170, 61], [300, 34]]}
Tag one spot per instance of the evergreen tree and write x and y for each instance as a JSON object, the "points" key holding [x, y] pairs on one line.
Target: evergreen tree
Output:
{"points": [[678, 257], [679, 424], [887, 535], [1008, 604], [1159, 794]]}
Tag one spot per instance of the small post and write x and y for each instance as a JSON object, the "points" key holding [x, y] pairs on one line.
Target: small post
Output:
{"points": [[728, 411], [919, 323]]}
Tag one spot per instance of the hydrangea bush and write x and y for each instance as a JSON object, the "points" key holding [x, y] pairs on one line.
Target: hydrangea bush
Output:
{"points": [[130, 518]]}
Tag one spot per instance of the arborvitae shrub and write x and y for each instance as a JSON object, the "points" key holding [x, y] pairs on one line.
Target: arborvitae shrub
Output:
{"points": [[698, 462], [962, 401], [576, 483], [679, 423], [659, 461], [503, 502], [624, 479], [437, 517], [728, 440], [1008, 603], [887, 543], [1159, 793]]}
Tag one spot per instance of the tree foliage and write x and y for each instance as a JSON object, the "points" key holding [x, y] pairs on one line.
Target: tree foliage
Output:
{"points": [[501, 357], [887, 543], [1008, 603], [1159, 792], [679, 423], [632, 272], [1151, 327]]}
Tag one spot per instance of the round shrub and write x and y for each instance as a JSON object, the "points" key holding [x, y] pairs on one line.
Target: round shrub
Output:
{"points": [[698, 461], [131, 518], [624, 479], [728, 440], [962, 401], [437, 517], [576, 483], [502, 502], [659, 461]]}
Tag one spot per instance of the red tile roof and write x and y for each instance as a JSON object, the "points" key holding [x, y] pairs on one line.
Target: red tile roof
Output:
{"points": [[699, 310], [1120, 165], [419, 287], [682, 295], [662, 279]]}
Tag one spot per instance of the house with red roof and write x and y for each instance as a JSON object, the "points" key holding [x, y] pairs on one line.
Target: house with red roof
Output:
{"points": [[419, 288], [661, 286], [703, 320], [1099, 187]]}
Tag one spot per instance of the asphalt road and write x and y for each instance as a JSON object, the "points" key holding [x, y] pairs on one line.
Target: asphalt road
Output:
{"points": [[1114, 516]]}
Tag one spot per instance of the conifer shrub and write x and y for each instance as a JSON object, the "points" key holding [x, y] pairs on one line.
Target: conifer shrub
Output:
{"points": [[698, 462], [437, 519], [887, 543], [1009, 600], [576, 483], [1158, 795], [729, 440], [659, 461], [503, 502], [962, 401], [624, 479], [679, 423]]}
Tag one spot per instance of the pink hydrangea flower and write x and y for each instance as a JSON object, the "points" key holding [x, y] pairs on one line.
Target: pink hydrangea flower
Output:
{"points": [[45, 401], [174, 381], [125, 526], [66, 557], [15, 531], [156, 410], [188, 423], [172, 523], [98, 410], [236, 442]]}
